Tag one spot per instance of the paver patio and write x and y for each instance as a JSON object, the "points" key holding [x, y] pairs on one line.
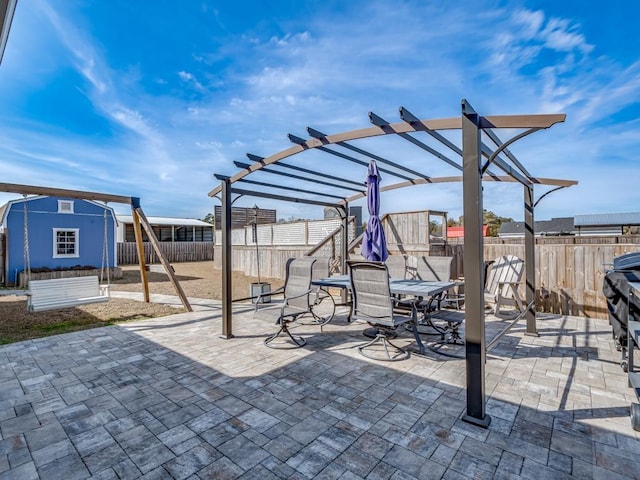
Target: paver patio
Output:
{"points": [[167, 398]]}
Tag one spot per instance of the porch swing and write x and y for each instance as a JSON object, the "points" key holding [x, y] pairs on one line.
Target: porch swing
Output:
{"points": [[58, 293]]}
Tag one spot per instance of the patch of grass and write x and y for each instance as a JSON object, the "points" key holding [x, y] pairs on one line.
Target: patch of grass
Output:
{"points": [[17, 324], [68, 326]]}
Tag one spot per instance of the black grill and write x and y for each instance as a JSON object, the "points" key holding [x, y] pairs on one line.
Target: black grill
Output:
{"points": [[626, 268]]}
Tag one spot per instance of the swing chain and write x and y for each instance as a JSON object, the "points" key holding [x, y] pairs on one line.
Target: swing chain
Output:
{"points": [[27, 259], [105, 251]]}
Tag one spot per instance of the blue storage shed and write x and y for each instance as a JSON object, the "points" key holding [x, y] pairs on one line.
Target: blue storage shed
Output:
{"points": [[62, 233]]}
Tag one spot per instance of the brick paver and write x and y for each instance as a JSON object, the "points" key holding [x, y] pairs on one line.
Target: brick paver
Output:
{"points": [[167, 398]]}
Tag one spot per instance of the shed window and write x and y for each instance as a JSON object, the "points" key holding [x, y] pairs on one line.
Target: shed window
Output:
{"points": [[65, 206], [65, 243]]}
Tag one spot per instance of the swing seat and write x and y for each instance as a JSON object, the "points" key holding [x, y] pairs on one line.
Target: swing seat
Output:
{"points": [[59, 293]]}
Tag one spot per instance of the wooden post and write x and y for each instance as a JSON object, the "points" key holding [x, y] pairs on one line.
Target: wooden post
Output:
{"points": [[163, 259], [140, 246]]}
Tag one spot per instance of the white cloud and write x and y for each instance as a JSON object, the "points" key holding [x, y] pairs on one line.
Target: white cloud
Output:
{"points": [[327, 71], [190, 79], [560, 35], [289, 39]]}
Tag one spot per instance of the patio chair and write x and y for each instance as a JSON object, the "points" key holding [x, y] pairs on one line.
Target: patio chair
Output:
{"points": [[503, 278], [397, 266], [429, 269], [322, 304], [297, 293], [435, 269], [373, 303]]}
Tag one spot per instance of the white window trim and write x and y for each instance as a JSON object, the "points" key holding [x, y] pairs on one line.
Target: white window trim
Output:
{"points": [[65, 202], [77, 242]]}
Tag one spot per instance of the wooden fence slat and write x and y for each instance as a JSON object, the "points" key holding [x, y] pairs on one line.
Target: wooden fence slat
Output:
{"points": [[174, 251]]}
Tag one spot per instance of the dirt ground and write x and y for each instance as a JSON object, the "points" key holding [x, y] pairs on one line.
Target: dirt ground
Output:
{"points": [[198, 279]]}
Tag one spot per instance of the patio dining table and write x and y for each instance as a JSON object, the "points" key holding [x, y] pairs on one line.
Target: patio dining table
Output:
{"points": [[418, 289]]}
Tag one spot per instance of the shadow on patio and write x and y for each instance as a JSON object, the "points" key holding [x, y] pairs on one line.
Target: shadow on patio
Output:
{"points": [[168, 398]]}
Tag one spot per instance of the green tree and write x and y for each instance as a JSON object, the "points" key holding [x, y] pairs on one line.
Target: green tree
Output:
{"points": [[493, 222], [490, 219], [209, 218]]}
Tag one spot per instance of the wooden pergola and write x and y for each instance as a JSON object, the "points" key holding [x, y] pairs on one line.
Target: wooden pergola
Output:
{"points": [[482, 157]]}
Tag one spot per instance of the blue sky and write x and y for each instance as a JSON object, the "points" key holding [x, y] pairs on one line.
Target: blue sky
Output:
{"points": [[151, 98]]}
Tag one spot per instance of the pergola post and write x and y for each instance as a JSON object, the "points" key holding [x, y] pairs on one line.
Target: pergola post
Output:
{"points": [[530, 260], [227, 290], [473, 259]]}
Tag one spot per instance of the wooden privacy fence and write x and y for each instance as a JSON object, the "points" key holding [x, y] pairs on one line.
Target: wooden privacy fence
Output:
{"points": [[569, 277], [271, 260], [569, 270], [413, 233], [174, 251]]}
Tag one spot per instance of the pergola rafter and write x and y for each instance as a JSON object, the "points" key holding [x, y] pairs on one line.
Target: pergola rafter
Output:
{"points": [[247, 166], [290, 189], [302, 141], [319, 135], [475, 158], [382, 123], [346, 181]]}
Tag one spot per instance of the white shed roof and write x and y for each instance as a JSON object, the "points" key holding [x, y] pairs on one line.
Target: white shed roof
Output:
{"points": [[607, 219], [183, 222]]}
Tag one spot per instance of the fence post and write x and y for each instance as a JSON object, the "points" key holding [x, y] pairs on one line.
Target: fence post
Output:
{"points": [[306, 233]]}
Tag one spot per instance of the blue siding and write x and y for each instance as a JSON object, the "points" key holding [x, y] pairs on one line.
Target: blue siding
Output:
{"points": [[43, 217]]}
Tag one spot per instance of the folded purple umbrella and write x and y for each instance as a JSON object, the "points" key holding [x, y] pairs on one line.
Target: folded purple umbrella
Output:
{"points": [[374, 243]]}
